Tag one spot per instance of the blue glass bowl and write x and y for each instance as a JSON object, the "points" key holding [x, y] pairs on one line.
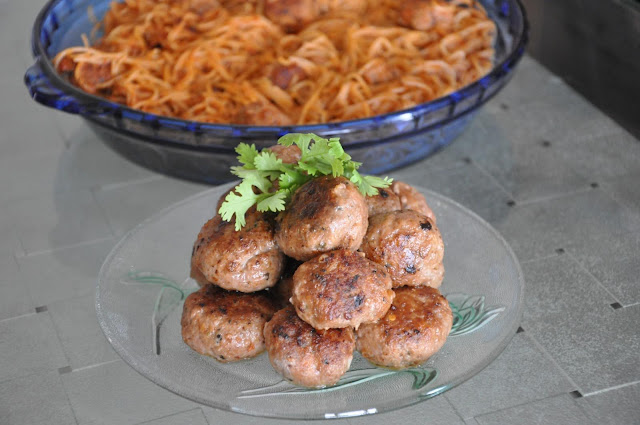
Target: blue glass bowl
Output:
{"points": [[203, 152]]}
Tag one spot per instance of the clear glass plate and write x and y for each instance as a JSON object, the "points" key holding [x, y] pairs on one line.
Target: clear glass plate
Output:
{"points": [[145, 278]]}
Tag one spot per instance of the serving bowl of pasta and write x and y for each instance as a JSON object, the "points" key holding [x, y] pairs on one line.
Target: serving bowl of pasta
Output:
{"points": [[176, 85]]}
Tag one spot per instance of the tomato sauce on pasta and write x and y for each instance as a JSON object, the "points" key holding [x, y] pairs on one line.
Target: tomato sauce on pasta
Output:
{"points": [[282, 62]]}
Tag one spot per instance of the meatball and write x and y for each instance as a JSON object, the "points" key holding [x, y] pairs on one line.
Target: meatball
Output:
{"points": [[247, 260], [341, 289], [262, 112], [384, 201], [411, 199], [197, 275], [324, 214], [408, 245], [284, 76], [415, 327], [423, 15], [92, 77], [227, 326], [304, 355], [417, 14], [288, 154], [292, 15]]}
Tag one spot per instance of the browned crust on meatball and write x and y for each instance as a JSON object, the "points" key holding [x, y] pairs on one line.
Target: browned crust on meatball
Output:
{"points": [[341, 289], [412, 199], [415, 327], [304, 355], [196, 274], [247, 260], [324, 214], [227, 326], [384, 201], [408, 245]]}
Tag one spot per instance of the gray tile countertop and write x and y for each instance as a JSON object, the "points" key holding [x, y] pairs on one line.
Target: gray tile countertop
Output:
{"points": [[555, 176]]}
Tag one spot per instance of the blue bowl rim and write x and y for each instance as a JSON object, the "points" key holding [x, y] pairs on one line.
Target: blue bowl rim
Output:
{"points": [[100, 107]]}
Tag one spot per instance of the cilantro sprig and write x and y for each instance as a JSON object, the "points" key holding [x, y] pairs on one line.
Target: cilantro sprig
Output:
{"points": [[261, 170]]}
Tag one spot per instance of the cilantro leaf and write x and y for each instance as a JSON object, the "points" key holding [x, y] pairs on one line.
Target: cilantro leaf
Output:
{"points": [[246, 154], [253, 177], [299, 139], [293, 179], [262, 171], [269, 164], [272, 202], [238, 204]]}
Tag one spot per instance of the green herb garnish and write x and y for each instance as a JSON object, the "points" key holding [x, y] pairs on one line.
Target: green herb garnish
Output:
{"points": [[260, 170]]}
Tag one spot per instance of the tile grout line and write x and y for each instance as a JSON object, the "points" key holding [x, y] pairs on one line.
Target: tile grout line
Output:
{"points": [[553, 361], [554, 197], [55, 329], [523, 404], [583, 268], [491, 177], [615, 387], [206, 419], [118, 185], [66, 394], [176, 413], [18, 317], [607, 185], [103, 214], [83, 368], [530, 201], [453, 407], [533, 260], [544, 352], [62, 247]]}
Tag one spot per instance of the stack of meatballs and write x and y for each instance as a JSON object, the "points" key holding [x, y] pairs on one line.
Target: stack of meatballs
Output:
{"points": [[334, 272]]}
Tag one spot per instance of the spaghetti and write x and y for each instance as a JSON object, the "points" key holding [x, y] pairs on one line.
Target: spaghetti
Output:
{"points": [[282, 62]]}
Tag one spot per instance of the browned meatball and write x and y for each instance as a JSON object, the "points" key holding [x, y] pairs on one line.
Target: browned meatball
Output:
{"points": [[285, 75], [414, 328], [247, 260], [227, 326], [304, 355], [417, 14], [288, 154], [292, 15], [384, 201], [411, 199], [423, 15], [262, 112], [341, 289], [196, 274], [408, 245], [324, 214]]}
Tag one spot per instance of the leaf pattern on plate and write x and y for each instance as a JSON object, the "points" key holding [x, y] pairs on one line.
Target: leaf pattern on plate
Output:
{"points": [[470, 313], [169, 297]]}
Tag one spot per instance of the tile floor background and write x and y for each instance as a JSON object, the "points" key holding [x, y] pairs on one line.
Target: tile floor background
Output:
{"points": [[555, 176]]}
